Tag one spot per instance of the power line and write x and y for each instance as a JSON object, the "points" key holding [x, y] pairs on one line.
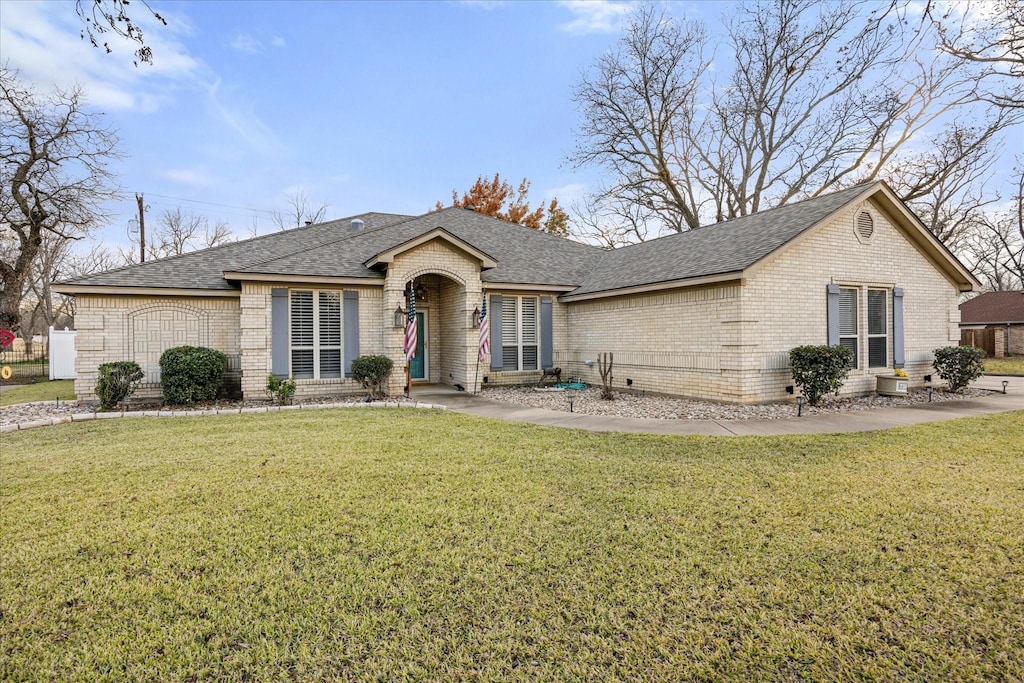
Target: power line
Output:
{"points": [[197, 201]]}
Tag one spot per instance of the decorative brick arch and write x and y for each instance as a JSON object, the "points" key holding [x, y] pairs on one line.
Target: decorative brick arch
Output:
{"points": [[154, 327], [431, 270]]}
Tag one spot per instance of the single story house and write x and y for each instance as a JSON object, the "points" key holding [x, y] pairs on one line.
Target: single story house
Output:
{"points": [[711, 313], [994, 321]]}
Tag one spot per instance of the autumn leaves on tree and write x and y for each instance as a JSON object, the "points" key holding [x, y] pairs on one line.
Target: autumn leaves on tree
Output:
{"points": [[497, 197]]}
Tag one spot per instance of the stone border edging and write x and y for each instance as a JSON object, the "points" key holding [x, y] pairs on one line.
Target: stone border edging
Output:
{"points": [[97, 415]]}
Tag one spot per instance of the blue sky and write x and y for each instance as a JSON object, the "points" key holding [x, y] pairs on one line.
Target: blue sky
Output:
{"points": [[367, 106], [383, 106]]}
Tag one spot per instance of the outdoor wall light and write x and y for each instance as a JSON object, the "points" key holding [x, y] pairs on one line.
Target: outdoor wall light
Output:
{"points": [[400, 316], [1005, 382], [475, 318], [799, 406]]}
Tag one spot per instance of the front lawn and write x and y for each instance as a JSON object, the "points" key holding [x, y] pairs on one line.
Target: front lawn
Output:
{"points": [[64, 389], [1010, 365], [402, 544]]}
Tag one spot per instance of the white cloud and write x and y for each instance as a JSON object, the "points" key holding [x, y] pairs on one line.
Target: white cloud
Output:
{"points": [[484, 4], [594, 16], [240, 116], [278, 41], [197, 177], [243, 42], [46, 49], [567, 194]]}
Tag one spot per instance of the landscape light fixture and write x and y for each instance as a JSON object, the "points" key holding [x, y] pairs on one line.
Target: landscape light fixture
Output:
{"points": [[930, 394], [799, 406], [1005, 382]]}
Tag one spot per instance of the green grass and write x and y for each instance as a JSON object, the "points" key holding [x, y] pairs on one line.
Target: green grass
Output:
{"points": [[1011, 365], [64, 389], [412, 545]]}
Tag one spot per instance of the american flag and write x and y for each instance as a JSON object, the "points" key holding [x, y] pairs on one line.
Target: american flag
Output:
{"points": [[485, 333], [411, 332]]}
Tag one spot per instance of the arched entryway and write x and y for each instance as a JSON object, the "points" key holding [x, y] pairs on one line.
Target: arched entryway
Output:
{"points": [[446, 350]]}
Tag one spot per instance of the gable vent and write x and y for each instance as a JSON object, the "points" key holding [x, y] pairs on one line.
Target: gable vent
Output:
{"points": [[865, 225]]}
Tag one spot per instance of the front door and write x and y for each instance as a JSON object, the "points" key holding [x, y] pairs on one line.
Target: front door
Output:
{"points": [[418, 364]]}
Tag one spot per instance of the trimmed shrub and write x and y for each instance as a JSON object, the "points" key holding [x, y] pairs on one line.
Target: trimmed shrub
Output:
{"points": [[117, 382], [373, 372], [191, 373], [281, 390], [959, 365], [819, 370]]}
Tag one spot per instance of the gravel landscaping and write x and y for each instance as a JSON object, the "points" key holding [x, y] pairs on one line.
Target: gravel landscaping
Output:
{"points": [[588, 402]]}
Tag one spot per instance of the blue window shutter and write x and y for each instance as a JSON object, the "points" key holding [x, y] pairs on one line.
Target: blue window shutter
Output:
{"points": [[833, 314], [351, 326], [279, 332], [898, 359], [546, 337], [494, 310]]}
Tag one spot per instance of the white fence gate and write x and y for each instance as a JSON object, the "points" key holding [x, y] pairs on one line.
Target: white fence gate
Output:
{"points": [[62, 354]]}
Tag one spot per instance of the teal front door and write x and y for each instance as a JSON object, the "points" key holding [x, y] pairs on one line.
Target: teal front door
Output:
{"points": [[418, 366]]}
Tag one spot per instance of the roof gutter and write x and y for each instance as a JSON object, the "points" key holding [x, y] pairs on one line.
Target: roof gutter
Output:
{"points": [[733, 276]]}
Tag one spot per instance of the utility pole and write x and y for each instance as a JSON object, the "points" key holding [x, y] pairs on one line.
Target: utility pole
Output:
{"points": [[142, 228]]}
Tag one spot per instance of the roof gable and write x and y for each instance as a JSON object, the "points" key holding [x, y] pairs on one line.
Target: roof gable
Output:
{"points": [[387, 256]]}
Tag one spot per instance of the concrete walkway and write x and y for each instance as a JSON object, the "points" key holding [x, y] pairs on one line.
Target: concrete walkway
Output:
{"points": [[854, 421]]}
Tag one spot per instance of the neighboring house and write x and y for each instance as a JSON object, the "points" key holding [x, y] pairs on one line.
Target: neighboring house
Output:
{"points": [[994, 321], [711, 313]]}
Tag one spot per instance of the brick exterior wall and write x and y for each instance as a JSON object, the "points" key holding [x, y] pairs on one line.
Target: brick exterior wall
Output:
{"points": [[784, 303], [256, 338], [140, 328], [674, 342]]}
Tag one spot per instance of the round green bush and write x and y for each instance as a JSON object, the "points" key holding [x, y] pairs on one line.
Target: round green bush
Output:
{"points": [[959, 365], [819, 370], [117, 382], [191, 373], [373, 372]]}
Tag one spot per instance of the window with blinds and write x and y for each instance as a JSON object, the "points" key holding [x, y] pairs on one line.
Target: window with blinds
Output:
{"points": [[878, 338], [520, 333], [848, 327], [316, 334], [302, 334]]}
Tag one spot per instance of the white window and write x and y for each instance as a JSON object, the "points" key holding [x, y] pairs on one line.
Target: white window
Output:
{"points": [[878, 339], [520, 333], [316, 334], [848, 328]]}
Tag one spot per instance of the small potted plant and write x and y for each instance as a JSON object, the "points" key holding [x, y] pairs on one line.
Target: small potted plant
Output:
{"points": [[894, 384]]}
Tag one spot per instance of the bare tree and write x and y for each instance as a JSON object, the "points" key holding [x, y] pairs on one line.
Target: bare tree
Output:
{"points": [[179, 232], [111, 16], [301, 211], [995, 245], [819, 96], [54, 155], [989, 34]]}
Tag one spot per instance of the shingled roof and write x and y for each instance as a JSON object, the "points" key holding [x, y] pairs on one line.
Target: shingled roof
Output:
{"points": [[205, 269], [523, 256], [726, 247], [994, 308]]}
